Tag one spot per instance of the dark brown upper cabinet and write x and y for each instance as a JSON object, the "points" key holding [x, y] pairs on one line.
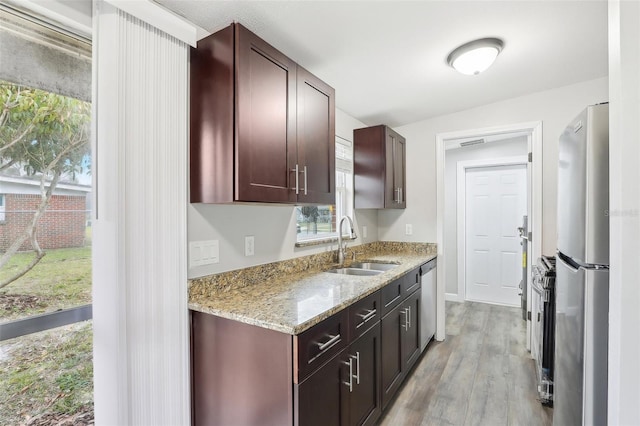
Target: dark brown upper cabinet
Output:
{"points": [[379, 163], [316, 139], [262, 127]]}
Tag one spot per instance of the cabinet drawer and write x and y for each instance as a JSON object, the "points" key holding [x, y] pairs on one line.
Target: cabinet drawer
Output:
{"points": [[411, 282], [318, 344], [391, 295], [363, 315]]}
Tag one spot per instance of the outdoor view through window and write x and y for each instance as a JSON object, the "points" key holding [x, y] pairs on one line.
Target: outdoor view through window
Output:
{"points": [[320, 222], [46, 371]]}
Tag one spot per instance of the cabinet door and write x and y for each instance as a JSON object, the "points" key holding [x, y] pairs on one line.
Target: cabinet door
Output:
{"points": [[322, 399], [364, 399], [395, 172], [315, 139], [393, 325], [265, 114], [411, 331], [369, 147]]}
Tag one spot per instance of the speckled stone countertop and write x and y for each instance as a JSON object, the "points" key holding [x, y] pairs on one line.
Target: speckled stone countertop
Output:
{"points": [[294, 295]]}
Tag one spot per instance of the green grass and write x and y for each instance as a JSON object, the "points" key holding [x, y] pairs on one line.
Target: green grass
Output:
{"points": [[47, 376], [62, 279]]}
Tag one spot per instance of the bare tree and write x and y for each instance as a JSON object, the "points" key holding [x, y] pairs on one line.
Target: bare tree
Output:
{"points": [[47, 136]]}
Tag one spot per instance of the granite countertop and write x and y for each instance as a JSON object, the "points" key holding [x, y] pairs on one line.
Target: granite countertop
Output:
{"points": [[293, 296]]}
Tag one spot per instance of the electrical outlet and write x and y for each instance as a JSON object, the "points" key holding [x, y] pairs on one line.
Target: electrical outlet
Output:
{"points": [[364, 231], [204, 253], [408, 229], [249, 245]]}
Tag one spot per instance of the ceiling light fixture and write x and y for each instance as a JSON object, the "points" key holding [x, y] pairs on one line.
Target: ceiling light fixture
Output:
{"points": [[476, 56]]}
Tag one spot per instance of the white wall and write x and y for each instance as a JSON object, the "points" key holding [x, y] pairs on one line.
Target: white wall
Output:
{"points": [[624, 204], [273, 226], [555, 108], [506, 148]]}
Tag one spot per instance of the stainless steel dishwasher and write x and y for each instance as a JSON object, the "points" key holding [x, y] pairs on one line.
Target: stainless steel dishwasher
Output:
{"points": [[428, 303]]}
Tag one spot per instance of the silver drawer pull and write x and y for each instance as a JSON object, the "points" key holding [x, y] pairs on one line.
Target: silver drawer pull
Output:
{"points": [[366, 317], [297, 188], [332, 341], [305, 180], [409, 317], [406, 319], [357, 376], [350, 382]]}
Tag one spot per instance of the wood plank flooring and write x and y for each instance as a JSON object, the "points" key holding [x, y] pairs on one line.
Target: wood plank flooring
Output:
{"points": [[481, 374]]}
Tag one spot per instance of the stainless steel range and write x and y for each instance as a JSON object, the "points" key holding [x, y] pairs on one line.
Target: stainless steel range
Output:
{"points": [[543, 323]]}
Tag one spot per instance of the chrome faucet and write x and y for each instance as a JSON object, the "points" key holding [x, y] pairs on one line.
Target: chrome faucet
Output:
{"points": [[343, 247]]}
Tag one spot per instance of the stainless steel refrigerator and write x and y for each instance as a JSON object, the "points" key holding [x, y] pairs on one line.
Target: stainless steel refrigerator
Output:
{"points": [[582, 268]]}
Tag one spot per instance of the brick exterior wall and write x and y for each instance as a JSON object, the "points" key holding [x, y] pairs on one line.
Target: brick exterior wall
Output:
{"points": [[62, 224]]}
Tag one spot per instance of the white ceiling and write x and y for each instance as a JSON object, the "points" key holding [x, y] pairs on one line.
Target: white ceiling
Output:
{"points": [[387, 59]]}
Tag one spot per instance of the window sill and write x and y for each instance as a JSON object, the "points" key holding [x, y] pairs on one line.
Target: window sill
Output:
{"points": [[320, 241]]}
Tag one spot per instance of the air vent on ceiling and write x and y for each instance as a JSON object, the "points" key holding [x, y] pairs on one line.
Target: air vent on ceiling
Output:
{"points": [[473, 142]]}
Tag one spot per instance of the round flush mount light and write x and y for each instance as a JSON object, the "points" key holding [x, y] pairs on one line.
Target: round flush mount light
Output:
{"points": [[476, 56]]}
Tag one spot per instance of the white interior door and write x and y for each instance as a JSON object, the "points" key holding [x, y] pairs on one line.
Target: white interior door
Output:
{"points": [[496, 200]]}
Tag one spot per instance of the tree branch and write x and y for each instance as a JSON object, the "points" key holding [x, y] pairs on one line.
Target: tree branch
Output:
{"points": [[7, 165], [19, 138], [30, 232], [18, 275]]}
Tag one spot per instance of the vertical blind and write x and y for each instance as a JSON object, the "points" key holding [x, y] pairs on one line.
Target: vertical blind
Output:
{"points": [[140, 278]]}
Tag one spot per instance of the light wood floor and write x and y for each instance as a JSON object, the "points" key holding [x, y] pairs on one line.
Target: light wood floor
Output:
{"points": [[481, 374]]}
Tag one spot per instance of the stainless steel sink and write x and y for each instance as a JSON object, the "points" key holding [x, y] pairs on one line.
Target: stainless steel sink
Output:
{"points": [[375, 266], [354, 271]]}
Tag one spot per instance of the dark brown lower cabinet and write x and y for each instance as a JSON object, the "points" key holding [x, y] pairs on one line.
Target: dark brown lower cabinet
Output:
{"points": [[411, 338], [392, 332], [241, 374], [322, 397], [346, 390], [334, 373], [400, 345], [365, 405]]}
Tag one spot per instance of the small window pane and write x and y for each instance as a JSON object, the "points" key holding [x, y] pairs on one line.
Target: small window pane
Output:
{"points": [[318, 222]]}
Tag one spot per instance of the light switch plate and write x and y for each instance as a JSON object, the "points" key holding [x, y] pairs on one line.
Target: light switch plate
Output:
{"points": [[408, 229], [364, 231], [249, 245], [204, 253]]}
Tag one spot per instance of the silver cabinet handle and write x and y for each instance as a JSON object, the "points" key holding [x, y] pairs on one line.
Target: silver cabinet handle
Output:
{"points": [[357, 376], [332, 341], [366, 317], [295, 170], [305, 180], [406, 322], [409, 317], [350, 382], [396, 194], [400, 195]]}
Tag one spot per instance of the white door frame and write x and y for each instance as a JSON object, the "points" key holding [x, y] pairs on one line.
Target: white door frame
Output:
{"points": [[461, 193], [448, 140]]}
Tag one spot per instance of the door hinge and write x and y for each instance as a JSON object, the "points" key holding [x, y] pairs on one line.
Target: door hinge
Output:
{"points": [[528, 315], [530, 156]]}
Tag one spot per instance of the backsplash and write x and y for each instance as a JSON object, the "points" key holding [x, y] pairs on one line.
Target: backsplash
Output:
{"points": [[255, 275]]}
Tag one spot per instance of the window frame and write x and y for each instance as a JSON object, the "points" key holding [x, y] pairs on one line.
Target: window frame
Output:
{"points": [[3, 207], [344, 205]]}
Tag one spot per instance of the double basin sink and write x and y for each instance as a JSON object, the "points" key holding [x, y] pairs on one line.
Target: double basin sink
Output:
{"points": [[363, 268]]}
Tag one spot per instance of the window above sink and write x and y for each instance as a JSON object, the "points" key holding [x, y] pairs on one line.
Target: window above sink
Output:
{"points": [[317, 224]]}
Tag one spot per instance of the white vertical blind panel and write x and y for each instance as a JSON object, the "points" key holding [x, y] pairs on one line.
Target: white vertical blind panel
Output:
{"points": [[155, 76], [151, 198]]}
